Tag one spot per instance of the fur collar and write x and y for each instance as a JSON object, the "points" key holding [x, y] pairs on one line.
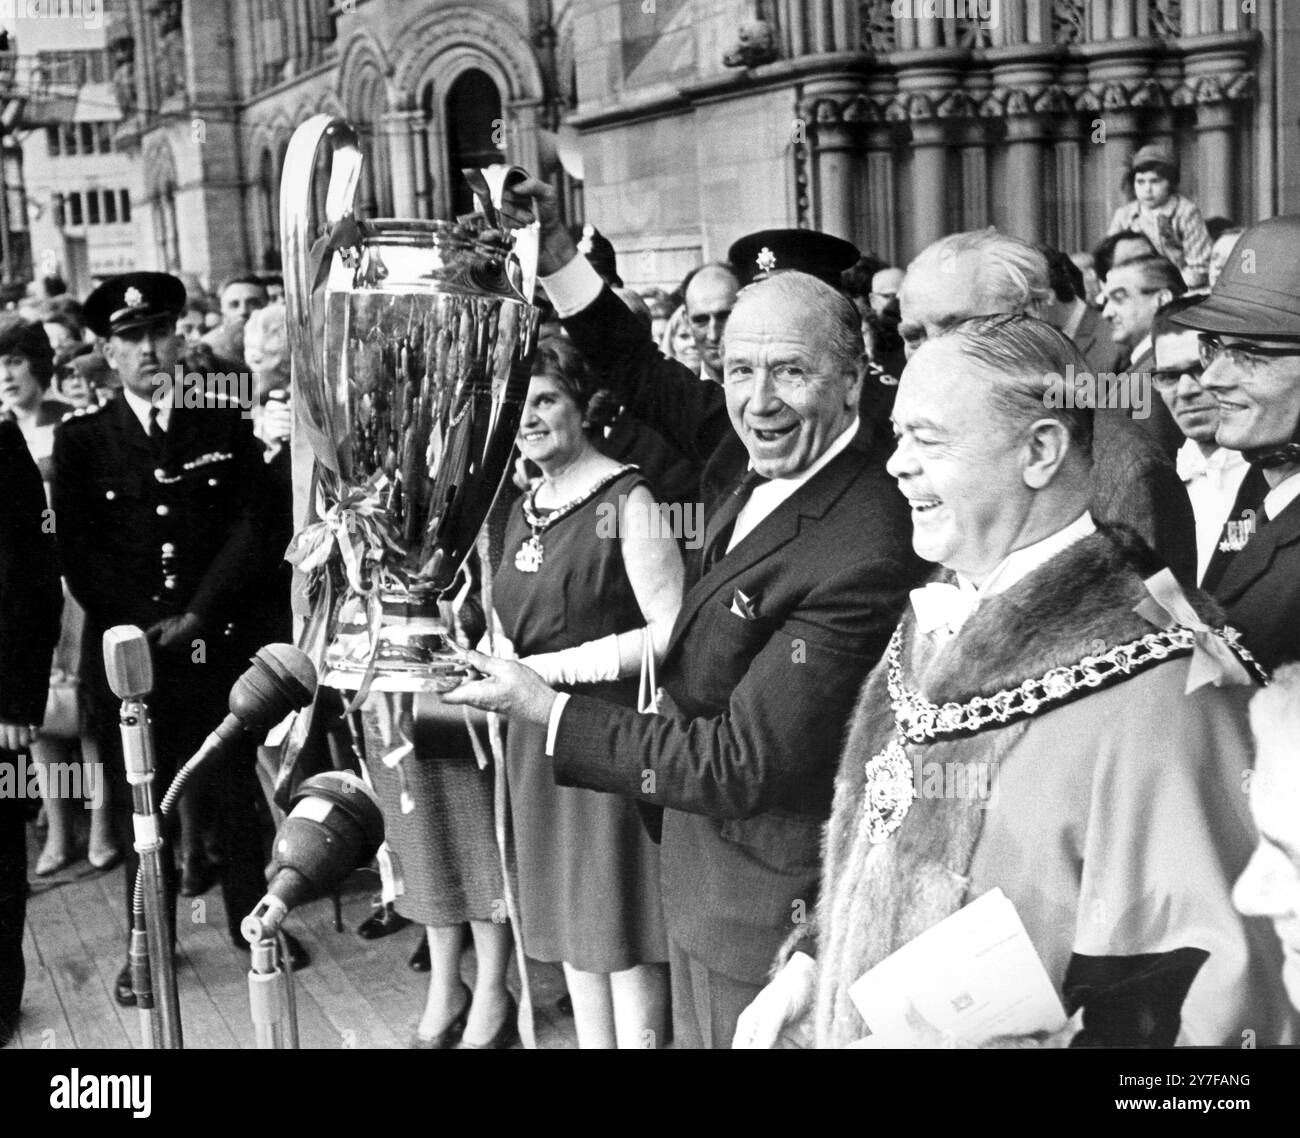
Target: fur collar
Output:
{"points": [[1078, 604]]}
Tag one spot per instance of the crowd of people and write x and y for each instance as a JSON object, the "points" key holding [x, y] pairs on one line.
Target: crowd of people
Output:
{"points": [[1021, 513]]}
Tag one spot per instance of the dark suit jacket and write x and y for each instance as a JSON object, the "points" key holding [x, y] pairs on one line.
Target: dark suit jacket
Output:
{"points": [[745, 756], [1092, 338], [1260, 590], [30, 596], [1134, 483], [1159, 423]]}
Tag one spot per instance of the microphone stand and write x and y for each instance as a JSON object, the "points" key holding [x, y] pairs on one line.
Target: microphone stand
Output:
{"points": [[272, 1000], [150, 954]]}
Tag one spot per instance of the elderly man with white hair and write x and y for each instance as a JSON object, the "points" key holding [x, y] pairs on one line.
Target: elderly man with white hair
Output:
{"points": [[1106, 709], [987, 273]]}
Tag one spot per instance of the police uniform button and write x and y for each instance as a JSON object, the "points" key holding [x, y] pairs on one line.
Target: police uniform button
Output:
{"points": [[110, 494], [213, 482], [170, 583], [156, 598], [160, 474], [168, 548], [162, 511]]}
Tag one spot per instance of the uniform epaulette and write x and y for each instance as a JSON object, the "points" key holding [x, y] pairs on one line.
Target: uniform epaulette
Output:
{"points": [[82, 412]]}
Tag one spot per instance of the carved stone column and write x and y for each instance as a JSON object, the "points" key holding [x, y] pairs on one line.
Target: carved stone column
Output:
{"points": [[522, 141], [1025, 73], [925, 79], [1121, 88], [835, 154], [1217, 73], [402, 126], [975, 133]]}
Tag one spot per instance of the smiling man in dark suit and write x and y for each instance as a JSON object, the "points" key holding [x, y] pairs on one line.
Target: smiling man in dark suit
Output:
{"points": [[803, 571], [1250, 346]]}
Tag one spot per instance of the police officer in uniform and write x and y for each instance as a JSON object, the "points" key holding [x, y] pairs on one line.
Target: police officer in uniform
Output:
{"points": [[1250, 346], [160, 498]]}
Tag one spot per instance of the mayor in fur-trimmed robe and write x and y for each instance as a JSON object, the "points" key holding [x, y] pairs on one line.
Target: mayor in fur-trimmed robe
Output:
{"points": [[1117, 821]]}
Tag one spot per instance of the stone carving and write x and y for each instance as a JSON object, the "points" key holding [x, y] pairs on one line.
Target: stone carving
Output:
{"points": [[1068, 21], [757, 45], [121, 53], [169, 69], [1166, 19], [877, 23]]}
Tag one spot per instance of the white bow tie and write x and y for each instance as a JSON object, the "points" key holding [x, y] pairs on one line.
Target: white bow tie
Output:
{"points": [[943, 606]]}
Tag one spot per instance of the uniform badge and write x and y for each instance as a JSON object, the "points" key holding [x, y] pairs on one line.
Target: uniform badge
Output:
{"points": [[133, 297], [1237, 532], [766, 260]]}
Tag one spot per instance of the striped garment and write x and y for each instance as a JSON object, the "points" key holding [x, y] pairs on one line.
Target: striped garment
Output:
{"points": [[1176, 229]]}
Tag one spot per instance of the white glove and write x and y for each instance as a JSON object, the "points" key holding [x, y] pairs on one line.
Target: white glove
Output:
{"points": [[504, 647], [277, 422], [786, 1001], [597, 661]]}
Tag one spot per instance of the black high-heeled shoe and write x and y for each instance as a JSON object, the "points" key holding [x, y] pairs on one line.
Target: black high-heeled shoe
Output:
{"points": [[384, 921], [448, 1037], [506, 1034]]}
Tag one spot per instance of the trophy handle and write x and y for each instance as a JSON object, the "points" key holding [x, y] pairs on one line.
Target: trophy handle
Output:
{"points": [[306, 341], [489, 186]]}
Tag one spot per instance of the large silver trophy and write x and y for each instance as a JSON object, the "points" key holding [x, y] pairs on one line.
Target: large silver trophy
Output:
{"points": [[412, 343]]}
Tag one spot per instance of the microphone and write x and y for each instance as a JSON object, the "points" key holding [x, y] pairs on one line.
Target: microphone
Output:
{"points": [[336, 825], [282, 679], [128, 662]]}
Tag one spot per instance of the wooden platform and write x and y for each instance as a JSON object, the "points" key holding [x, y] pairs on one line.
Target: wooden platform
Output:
{"points": [[355, 994]]}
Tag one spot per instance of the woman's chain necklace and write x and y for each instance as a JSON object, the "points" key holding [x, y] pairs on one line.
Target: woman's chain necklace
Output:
{"points": [[531, 553]]}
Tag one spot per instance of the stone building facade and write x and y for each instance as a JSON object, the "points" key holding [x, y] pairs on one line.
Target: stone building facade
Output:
{"points": [[888, 122]]}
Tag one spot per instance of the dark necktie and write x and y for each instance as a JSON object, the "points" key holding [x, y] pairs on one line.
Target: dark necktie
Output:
{"points": [[156, 434], [1246, 518], [718, 532]]}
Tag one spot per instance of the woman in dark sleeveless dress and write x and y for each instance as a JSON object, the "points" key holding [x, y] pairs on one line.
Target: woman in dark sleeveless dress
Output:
{"points": [[585, 574]]}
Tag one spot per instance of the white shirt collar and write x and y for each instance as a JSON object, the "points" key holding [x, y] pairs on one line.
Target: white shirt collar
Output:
{"points": [[767, 496], [1021, 562], [1193, 463], [1282, 495], [140, 408], [942, 609]]}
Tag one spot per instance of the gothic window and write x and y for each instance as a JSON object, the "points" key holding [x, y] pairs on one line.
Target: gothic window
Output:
{"points": [[475, 133]]}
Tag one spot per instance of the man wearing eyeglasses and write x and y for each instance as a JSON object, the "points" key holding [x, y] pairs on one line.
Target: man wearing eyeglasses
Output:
{"points": [[1249, 346], [1211, 473]]}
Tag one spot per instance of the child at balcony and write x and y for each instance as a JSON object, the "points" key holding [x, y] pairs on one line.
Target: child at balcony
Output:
{"points": [[1170, 220]]}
